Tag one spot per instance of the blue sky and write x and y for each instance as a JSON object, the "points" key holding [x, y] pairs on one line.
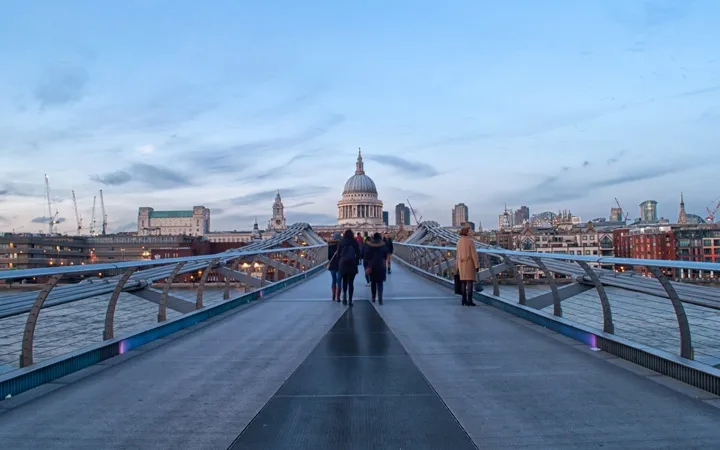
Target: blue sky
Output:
{"points": [[553, 104]]}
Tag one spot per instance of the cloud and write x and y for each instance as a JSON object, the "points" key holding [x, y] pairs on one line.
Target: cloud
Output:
{"points": [[22, 190], [405, 166], [116, 178], [408, 194], [299, 205], [311, 218], [269, 195], [282, 169], [232, 158], [158, 177], [46, 220], [293, 103], [556, 188], [145, 149], [616, 158], [128, 226], [148, 174], [699, 91], [61, 85]]}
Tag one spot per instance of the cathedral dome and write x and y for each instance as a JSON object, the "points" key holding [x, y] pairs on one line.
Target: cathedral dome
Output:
{"points": [[360, 183]]}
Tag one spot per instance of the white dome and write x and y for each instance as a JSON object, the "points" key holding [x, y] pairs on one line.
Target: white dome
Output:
{"points": [[360, 183]]}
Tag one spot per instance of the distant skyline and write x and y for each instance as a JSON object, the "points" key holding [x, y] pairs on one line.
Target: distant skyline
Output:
{"points": [[170, 104]]}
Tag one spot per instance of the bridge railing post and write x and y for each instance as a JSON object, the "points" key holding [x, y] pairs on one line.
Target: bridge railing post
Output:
{"points": [[557, 307], [162, 309], [109, 331], [686, 348], [608, 325], [26, 355]]}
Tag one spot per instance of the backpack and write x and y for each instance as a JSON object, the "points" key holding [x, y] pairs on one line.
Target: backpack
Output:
{"points": [[348, 256]]}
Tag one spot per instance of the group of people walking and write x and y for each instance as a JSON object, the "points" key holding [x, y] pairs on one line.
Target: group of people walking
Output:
{"points": [[347, 252]]}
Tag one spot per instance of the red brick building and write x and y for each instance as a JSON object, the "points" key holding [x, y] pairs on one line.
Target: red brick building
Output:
{"points": [[652, 242]]}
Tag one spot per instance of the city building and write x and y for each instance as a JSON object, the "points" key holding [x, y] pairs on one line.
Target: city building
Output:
{"points": [[644, 242], [277, 221], [360, 206], [195, 222], [361, 210], [402, 214], [682, 216], [616, 214], [648, 211], [35, 251], [460, 215], [521, 215]]}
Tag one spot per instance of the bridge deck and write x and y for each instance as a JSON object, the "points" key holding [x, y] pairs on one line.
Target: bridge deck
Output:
{"points": [[300, 372]]}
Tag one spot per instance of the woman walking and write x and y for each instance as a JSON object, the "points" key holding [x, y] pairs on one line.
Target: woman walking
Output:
{"points": [[334, 265], [349, 254], [375, 260], [388, 241], [466, 260]]}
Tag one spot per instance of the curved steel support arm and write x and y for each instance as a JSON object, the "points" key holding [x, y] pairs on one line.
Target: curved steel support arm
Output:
{"points": [[608, 326], [226, 292], [203, 280], [493, 276], [686, 349], [557, 308], [109, 331], [162, 309], [26, 355], [518, 278]]}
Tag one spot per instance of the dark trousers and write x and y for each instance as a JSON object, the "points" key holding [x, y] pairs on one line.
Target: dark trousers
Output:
{"points": [[376, 289], [467, 290], [348, 285]]}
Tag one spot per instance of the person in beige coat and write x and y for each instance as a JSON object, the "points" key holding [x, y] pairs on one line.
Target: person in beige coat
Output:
{"points": [[466, 260]]}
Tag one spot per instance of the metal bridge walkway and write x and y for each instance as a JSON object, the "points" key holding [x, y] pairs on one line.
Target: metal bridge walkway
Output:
{"points": [[420, 372]]}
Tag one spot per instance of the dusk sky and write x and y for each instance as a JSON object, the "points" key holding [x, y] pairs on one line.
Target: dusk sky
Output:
{"points": [[169, 104]]}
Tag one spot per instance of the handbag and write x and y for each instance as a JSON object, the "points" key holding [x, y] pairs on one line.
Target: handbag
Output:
{"points": [[458, 288], [327, 266]]}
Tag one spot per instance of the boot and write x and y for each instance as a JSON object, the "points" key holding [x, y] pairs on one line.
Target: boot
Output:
{"points": [[464, 299], [344, 297], [334, 292], [470, 295]]}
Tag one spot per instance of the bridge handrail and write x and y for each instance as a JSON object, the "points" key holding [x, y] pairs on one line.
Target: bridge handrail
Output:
{"points": [[590, 259], [438, 261], [100, 267]]}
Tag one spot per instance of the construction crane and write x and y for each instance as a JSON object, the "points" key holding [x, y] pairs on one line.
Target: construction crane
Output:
{"points": [[627, 215], [412, 210], [104, 214], [711, 213], [92, 218], [78, 217], [52, 218]]}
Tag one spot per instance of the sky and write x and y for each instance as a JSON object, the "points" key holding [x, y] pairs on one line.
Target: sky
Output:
{"points": [[556, 104]]}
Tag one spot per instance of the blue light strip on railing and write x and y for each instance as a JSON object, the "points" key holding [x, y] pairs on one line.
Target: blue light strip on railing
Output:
{"points": [[593, 259]]}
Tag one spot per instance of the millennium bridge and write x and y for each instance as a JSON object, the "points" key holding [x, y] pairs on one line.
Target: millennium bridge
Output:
{"points": [[590, 358]]}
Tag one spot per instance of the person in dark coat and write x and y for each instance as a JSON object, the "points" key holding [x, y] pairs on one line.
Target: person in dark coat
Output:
{"points": [[388, 242], [363, 250], [349, 254], [375, 258], [334, 265]]}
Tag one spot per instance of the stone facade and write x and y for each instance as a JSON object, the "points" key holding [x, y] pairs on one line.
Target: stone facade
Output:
{"points": [[195, 222]]}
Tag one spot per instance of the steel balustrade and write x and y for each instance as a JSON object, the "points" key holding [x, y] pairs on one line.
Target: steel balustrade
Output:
{"points": [[290, 252], [430, 238]]}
